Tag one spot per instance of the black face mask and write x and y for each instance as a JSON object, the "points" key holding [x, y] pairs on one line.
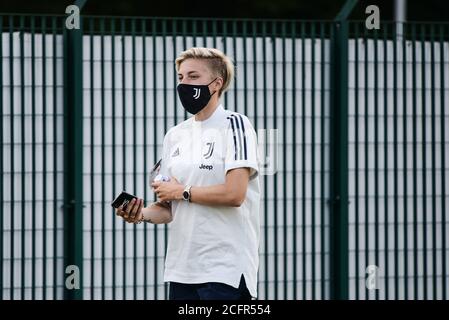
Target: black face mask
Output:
{"points": [[194, 97]]}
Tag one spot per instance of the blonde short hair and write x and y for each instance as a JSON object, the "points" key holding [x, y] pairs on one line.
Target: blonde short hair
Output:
{"points": [[219, 63]]}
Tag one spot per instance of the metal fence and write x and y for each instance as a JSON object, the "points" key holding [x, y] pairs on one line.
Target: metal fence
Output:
{"points": [[398, 149], [361, 169]]}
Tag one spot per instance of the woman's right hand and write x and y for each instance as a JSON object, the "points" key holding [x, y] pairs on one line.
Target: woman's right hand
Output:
{"points": [[133, 212]]}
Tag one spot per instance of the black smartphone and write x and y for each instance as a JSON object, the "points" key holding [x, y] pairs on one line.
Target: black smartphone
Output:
{"points": [[123, 199]]}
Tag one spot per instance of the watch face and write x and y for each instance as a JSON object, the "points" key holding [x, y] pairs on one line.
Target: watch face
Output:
{"points": [[185, 195]]}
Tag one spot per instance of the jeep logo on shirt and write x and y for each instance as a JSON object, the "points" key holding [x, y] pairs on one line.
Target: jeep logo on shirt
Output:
{"points": [[206, 167]]}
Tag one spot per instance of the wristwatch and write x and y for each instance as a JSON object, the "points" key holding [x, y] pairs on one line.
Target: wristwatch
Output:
{"points": [[186, 193]]}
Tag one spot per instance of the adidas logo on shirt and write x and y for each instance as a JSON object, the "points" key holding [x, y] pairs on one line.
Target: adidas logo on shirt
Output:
{"points": [[176, 153]]}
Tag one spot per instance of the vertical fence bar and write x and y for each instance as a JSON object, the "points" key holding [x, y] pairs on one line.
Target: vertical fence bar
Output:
{"points": [[255, 80], [245, 67], [313, 265], [424, 159], [103, 198], [434, 191], [194, 32], [322, 159], [275, 177], [265, 102], [256, 127], [124, 151], [356, 142], [415, 164], [404, 158], [214, 32], [153, 30], [92, 195], [134, 135], [145, 175], [33, 159], [22, 154], [366, 142], [386, 211], [294, 190], [175, 78], [73, 150], [376, 156], [44, 157], [443, 161], [339, 160], [204, 32], [184, 33], [12, 175], [303, 153], [322, 162], [113, 120], [55, 166], [234, 49], [225, 50], [284, 162], [395, 160]]}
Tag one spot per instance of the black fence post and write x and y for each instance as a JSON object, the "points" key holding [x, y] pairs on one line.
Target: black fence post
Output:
{"points": [[73, 159], [339, 286]]}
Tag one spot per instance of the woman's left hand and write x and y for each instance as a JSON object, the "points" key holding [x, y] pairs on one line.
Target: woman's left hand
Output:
{"points": [[168, 191]]}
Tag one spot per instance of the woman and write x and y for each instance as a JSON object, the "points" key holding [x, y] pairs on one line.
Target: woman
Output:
{"points": [[212, 199]]}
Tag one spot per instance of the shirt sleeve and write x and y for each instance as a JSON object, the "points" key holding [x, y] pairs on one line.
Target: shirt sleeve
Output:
{"points": [[241, 145], [165, 157]]}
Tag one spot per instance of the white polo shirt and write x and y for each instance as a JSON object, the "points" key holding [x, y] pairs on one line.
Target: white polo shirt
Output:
{"points": [[213, 243]]}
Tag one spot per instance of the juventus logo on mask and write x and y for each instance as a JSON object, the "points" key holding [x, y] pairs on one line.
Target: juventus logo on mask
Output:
{"points": [[197, 93], [194, 97]]}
